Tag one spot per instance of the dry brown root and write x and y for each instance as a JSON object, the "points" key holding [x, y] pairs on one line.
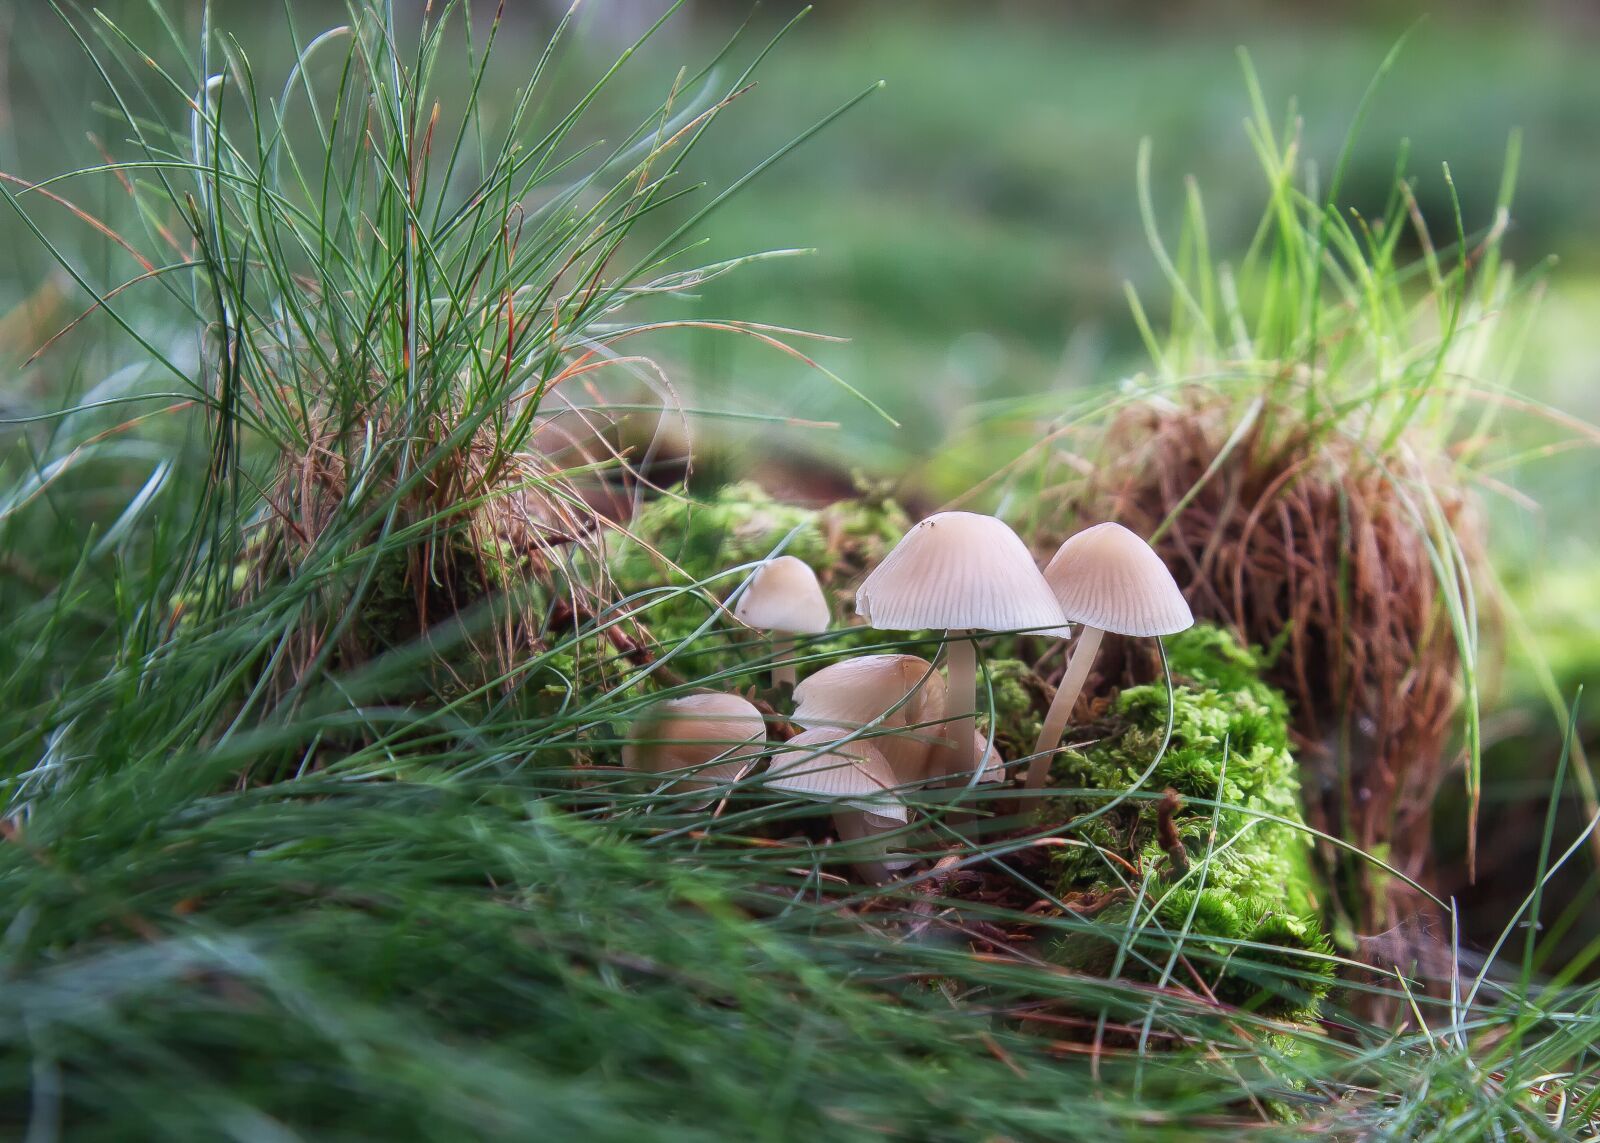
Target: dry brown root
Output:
{"points": [[1300, 539]]}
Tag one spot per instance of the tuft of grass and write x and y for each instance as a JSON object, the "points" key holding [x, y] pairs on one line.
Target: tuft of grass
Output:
{"points": [[1306, 451]]}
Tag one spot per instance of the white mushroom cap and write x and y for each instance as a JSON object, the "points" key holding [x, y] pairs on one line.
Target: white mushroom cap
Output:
{"points": [[1107, 577], [958, 570], [784, 595], [715, 735], [850, 694], [816, 764]]}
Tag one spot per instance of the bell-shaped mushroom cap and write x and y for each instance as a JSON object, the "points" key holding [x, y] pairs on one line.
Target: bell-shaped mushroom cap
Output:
{"points": [[858, 690], [850, 694], [784, 595], [816, 764], [1107, 577], [712, 734], [958, 570]]}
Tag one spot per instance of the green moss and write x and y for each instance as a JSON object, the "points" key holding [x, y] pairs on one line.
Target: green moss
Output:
{"points": [[696, 539], [1209, 656], [1245, 875]]}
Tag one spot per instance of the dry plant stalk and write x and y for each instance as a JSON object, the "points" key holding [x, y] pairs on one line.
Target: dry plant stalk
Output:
{"points": [[1167, 809]]}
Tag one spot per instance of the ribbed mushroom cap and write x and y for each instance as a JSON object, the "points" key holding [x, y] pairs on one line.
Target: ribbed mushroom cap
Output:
{"points": [[850, 694], [958, 570], [784, 595], [815, 764], [712, 733], [860, 689], [1109, 578]]}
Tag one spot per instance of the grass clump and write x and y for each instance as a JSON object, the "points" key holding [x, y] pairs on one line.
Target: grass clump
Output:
{"points": [[1300, 451], [416, 315], [1318, 547]]}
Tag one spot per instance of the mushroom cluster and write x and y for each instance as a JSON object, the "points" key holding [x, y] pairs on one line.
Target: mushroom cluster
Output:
{"points": [[877, 728]]}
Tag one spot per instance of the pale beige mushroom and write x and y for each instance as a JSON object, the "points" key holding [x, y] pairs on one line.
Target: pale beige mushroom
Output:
{"points": [[1107, 579], [783, 597], [856, 779], [963, 573], [713, 738], [897, 692]]}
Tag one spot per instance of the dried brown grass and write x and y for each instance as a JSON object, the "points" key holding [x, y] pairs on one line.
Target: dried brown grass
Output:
{"points": [[488, 524], [1301, 542]]}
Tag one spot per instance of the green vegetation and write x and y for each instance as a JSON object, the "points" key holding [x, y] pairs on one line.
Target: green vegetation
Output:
{"points": [[334, 570], [681, 557], [1242, 873]]}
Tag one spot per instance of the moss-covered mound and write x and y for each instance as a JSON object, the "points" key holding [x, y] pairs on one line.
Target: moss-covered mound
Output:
{"points": [[1210, 847]]}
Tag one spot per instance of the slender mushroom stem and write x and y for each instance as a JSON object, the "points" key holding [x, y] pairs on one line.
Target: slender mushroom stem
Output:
{"points": [[1055, 721], [782, 671], [874, 862], [962, 657]]}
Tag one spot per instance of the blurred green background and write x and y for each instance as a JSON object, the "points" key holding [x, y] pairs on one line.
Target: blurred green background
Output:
{"points": [[975, 221]]}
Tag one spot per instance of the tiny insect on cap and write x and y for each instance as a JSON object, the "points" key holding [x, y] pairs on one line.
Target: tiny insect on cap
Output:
{"points": [[959, 571], [784, 595], [1107, 577]]}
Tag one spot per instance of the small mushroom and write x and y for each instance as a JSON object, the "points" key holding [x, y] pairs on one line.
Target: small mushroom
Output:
{"points": [[856, 778], [903, 691], [785, 598], [716, 737], [1107, 579], [964, 573]]}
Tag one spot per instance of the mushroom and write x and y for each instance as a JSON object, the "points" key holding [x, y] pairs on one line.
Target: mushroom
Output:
{"points": [[965, 573], [716, 736], [857, 779], [903, 691], [1107, 579], [785, 598]]}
